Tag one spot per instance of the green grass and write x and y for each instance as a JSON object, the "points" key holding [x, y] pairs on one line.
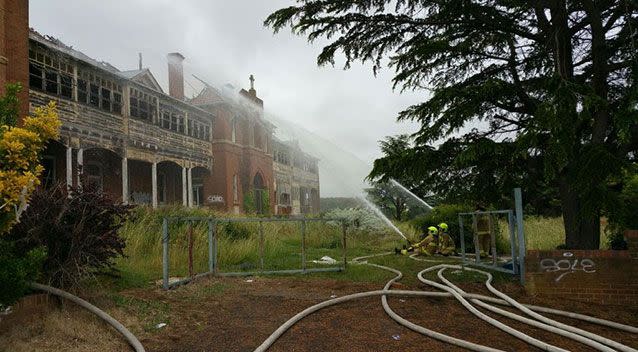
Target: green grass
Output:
{"points": [[545, 233], [239, 246]]}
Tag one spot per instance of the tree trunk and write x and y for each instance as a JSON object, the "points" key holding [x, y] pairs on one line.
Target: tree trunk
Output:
{"points": [[582, 228]]}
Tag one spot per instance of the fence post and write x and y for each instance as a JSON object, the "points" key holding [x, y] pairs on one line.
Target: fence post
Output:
{"points": [[518, 201], [215, 269], [211, 263], [492, 238], [510, 222], [477, 248], [303, 246], [190, 249], [462, 238], [345, 257], [165, 239], [261, 245]]}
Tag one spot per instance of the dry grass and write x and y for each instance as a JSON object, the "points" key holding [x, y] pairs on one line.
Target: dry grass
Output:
{"points": [[68, 329]]}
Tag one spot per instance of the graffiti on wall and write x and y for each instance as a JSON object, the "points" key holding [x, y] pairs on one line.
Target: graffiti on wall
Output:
{"points": [[567, 266]]}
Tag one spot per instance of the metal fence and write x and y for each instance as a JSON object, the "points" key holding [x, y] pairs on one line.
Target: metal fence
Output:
{"points": [[516, 236], [213, 247]]}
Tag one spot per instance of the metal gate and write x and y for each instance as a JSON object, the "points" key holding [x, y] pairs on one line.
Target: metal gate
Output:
{"points": [[212, 223], [516, 236]]}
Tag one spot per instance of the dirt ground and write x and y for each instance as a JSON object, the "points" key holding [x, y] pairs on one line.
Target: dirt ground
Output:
{"points": [[233, 314]]}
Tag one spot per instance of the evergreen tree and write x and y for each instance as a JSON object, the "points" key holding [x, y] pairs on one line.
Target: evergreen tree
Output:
{"points": [[556, 79]]}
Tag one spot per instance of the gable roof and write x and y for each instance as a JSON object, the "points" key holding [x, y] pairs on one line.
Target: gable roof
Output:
{"points": [[144, 77]]}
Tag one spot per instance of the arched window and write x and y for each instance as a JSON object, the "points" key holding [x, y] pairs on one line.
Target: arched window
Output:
{"points": [[94, 174]]}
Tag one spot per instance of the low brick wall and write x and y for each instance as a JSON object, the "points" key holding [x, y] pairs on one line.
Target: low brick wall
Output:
{"points": [[600, 276]]}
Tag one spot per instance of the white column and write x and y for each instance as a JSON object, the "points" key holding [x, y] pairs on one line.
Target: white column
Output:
{"points": [[69, 166], [191, 202], [80, 165], [125, 180], [184, 187], [154, 182]]}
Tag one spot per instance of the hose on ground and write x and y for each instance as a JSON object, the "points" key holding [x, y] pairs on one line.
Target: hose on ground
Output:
{"points": [[521, 336], [456, 292], [514, 303], [522, 319], [130, 338]]}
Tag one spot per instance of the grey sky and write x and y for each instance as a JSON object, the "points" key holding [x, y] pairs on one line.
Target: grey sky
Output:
{"points": [[224, 41]]}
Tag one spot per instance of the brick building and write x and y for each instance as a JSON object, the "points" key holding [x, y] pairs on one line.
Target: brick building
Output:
{"points": [[123, 133], [296, 179], [119, 128], [14, 43], [242, 178]]}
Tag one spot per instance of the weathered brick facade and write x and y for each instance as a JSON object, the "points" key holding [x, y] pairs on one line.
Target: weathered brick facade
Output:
{"points": [[14, 48], [599, 276], [119, 129], [241, 149], [296, 179], [139, 144]]}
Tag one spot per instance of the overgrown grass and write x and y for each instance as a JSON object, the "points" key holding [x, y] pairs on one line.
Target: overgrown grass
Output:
{"points": [[238, 245], [545, 233]]}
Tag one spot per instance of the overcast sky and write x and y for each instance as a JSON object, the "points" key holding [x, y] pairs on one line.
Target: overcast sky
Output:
{"points": [[224, 42]]}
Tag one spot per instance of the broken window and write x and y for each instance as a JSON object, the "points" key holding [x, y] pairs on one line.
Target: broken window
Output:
{"points": [[51, 82], [117, 103], [166, 119], [49, 74], [35, 76], [66, 86], [94, 95], [82, 91], [142, 105], [180, 124], [106, 99]]}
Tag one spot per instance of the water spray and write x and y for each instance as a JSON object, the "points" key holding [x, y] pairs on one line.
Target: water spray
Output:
{"points": [[394, 182], [381, 215]]}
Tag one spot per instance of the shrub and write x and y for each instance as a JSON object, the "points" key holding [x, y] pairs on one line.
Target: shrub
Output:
{"points": [[78, 229], [249, 202], [361, 219], [623, 217], [16, 269], [19, 150]]}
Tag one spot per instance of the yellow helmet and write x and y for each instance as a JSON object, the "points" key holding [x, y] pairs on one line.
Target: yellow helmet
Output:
{"points": [[432, 230], [443, 226]]}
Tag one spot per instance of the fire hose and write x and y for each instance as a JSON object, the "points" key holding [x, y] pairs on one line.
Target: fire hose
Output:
{"points": [[582, 336]]}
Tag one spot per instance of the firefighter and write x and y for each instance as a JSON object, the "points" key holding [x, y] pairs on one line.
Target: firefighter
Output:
{"points": [[429, 245], [446, 243], [481, 225]]}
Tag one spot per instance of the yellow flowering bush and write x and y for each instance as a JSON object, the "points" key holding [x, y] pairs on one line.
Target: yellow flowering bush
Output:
{"points": [[19, 167]]}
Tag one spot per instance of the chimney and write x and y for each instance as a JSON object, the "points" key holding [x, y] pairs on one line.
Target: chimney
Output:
{"points": [[176, 75], [140, 61]]}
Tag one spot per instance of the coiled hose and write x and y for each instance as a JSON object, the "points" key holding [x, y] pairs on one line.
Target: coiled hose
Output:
{"points": [[130, 338]]}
